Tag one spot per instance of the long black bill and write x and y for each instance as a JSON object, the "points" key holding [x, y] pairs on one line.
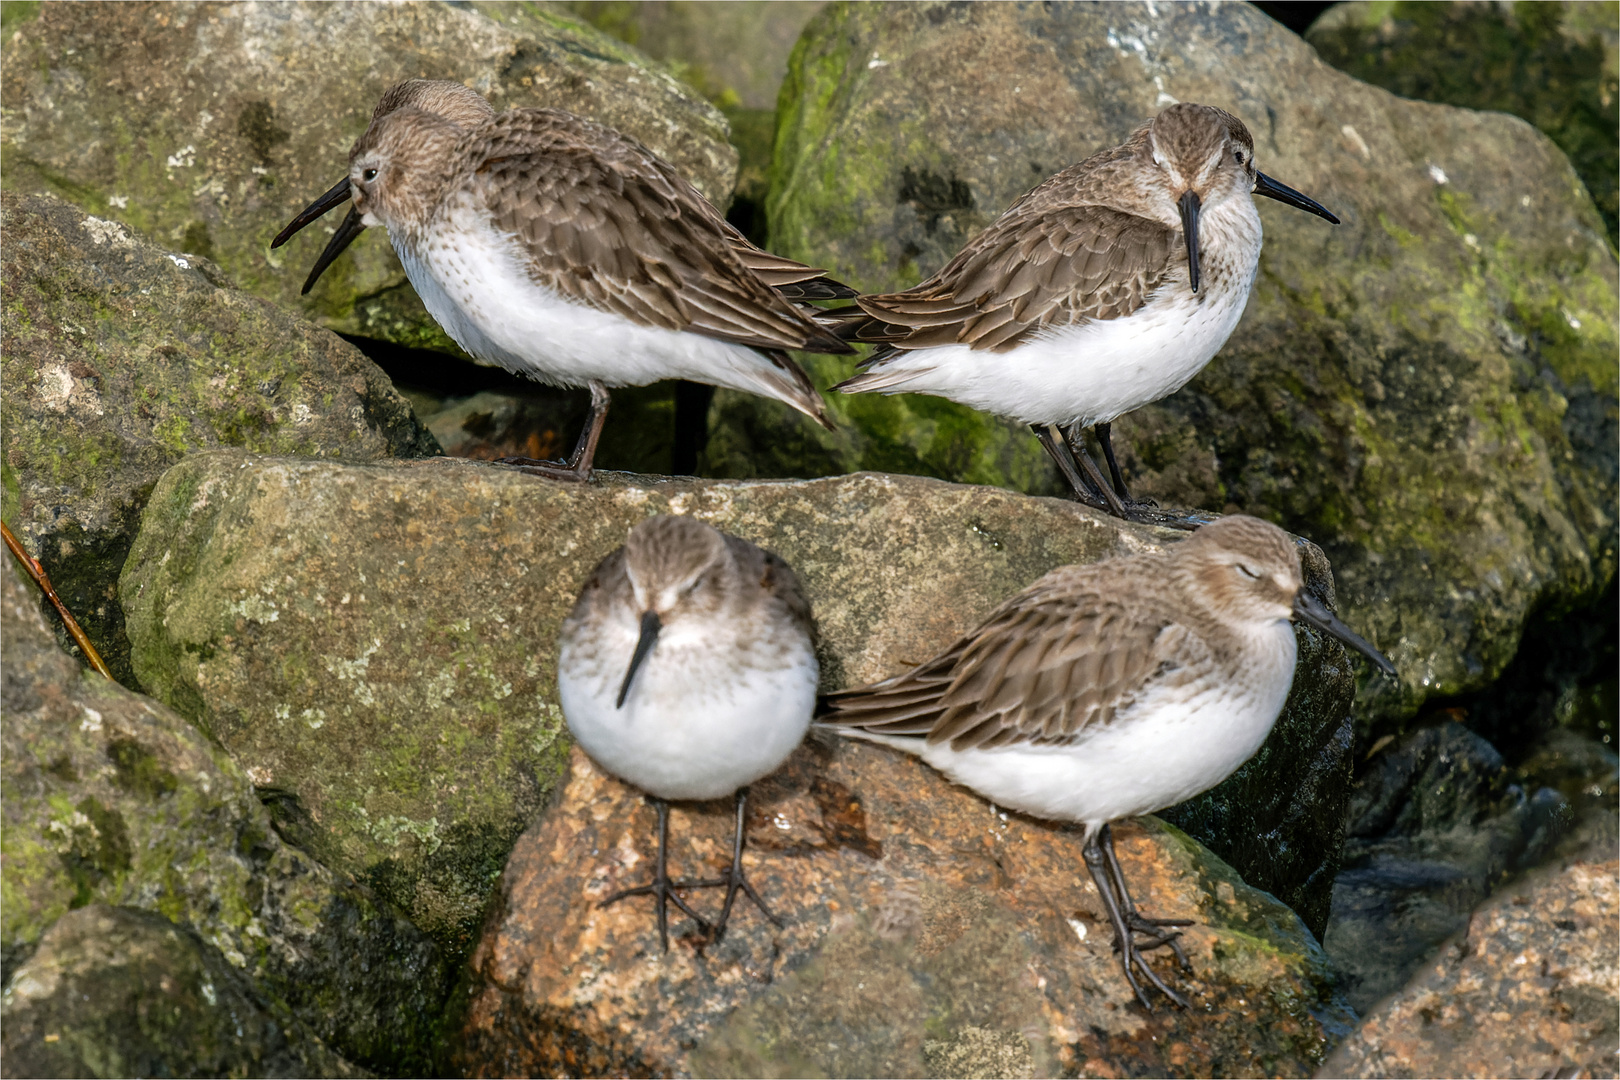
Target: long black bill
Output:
{"points": [[650, 625], [316, 209], [1265, 185], [1309, 609], [352, 227], [1189, 227]]}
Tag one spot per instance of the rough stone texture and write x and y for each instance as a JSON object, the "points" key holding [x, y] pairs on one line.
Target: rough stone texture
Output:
{"points": [[734, 51], [924, 934], [1530, 988], [377, 643], [110, 798], [1428, 391], [1556, 65], [116, 991], [1436, 824], [119, 359], [208, 126]]}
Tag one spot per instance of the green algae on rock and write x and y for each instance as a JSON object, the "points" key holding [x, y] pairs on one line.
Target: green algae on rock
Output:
{"points": [[920, 926], [120, 358], [111, 798], [116, 991], [207, 126], [1428, 391], [1556, 65], [376, 643]]}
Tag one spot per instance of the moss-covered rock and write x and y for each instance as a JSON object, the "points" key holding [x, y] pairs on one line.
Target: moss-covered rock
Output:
{"points": [[111, 798], [1556, 65], [1428, 391], [376, 644], [207, 126], [115, 991], [120, 358]]}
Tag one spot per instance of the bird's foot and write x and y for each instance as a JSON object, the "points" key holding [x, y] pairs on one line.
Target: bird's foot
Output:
{"points": [[734, 882], [1157, 935], [1133, 958], [662, 890], [551, 470]]}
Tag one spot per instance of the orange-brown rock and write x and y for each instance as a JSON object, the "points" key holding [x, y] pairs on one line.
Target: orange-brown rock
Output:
{"points": [[1530, 988], [924, 933]]}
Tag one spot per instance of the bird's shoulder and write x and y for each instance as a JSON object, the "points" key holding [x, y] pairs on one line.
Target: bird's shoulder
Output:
{"points": [[1069, 654], [1066, 253]]}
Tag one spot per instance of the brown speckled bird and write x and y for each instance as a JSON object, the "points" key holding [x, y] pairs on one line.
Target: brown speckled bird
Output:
{"points": [[565, 251], [1103, 289]]}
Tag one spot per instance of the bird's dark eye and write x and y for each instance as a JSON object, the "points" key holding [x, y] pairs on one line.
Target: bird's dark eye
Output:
{"points": [[1239, 155], [371, 174]]}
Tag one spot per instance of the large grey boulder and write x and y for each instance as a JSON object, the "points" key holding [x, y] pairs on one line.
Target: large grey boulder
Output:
{"points": [[120, 358], [376, 643], [1555, 64], [207, 126], [112, 799], [1428, 391]]}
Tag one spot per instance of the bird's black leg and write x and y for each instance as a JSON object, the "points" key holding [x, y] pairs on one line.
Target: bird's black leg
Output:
{"points": [[579, 465], [1124, 940], [1116, 506], [1105, 433], [1135, 920], [734, 881], [1058, 450], [661, 887]]}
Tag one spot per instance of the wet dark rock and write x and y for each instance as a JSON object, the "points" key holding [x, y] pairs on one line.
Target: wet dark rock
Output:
{"points": [[924, 933], [1437, 822], [256, 614], [112, 799], [121, 358], [115, 991], [1530, 987]]}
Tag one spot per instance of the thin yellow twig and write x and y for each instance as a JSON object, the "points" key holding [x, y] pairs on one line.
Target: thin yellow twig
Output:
{"points": [[37, 572]]}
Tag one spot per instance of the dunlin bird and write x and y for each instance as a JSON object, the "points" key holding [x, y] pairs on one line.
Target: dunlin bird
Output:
{"points": [[560, 249], [1103, 289], [688, 668], [1110, 690]]}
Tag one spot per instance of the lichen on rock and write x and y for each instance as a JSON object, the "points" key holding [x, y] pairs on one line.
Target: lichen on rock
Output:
{"points": [[122, 357]]}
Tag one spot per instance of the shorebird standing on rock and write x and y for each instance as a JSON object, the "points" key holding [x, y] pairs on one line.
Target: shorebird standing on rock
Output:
{"points": [[688, 668], [562, 250], [1103, 289], [1111, 690]]}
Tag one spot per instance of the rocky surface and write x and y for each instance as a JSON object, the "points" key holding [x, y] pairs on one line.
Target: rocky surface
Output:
{"points": [[122, 357], [924, 934], [1436, 824], [375, 644], [1428, 391], [1529, 988], [112, 799], [1556, 65], [207, 126], [115, 991]]}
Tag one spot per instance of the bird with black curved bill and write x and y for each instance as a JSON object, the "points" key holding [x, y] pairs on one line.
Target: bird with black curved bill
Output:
{"points": [[560, 249], [1103, 289], [1110, 690]]}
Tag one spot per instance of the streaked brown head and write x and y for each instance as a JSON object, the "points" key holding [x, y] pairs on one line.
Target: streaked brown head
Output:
{"points": [[677, 564], [1243, 570], [398, 165]]}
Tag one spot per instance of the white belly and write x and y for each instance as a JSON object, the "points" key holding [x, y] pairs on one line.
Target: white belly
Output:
{"points": [[696, 725], [1087, 374], [472, 280], [1166, 750]]}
